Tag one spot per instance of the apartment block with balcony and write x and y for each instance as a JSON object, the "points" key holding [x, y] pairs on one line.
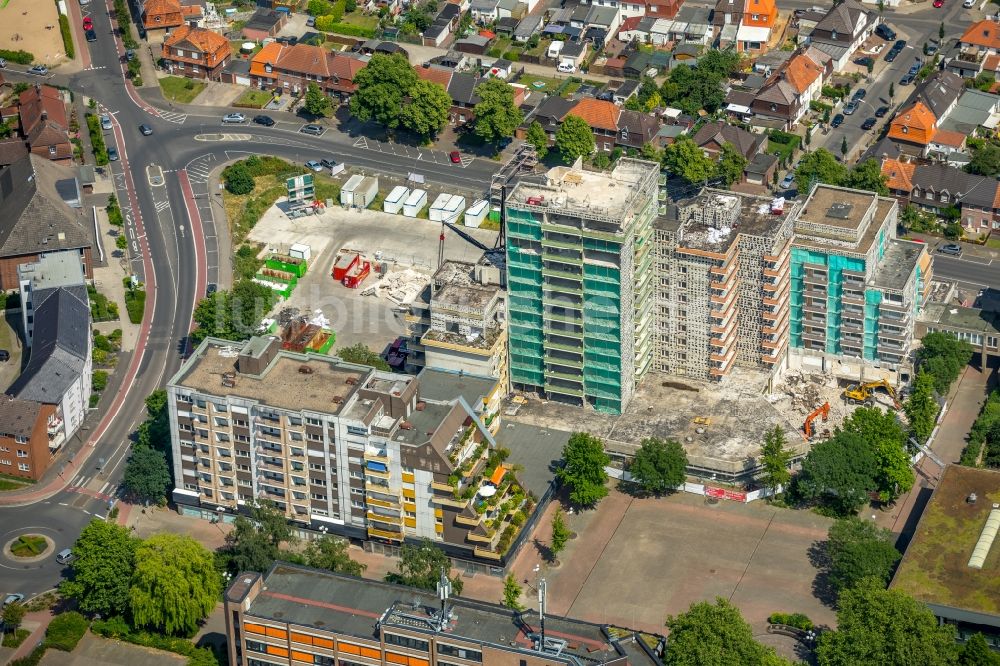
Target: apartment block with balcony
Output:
{"points": [[341, 446], [721, 294], [296, 615], [579, 267], [855, 288]]}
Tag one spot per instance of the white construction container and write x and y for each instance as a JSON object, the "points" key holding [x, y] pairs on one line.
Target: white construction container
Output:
{"points": [[438, 207], [453, 209], [415, 203], [300, 251], [477, 212], [359, 191], [394, 202]]}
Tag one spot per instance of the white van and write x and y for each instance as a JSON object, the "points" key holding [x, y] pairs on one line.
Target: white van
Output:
{"points": [[566, 67]]}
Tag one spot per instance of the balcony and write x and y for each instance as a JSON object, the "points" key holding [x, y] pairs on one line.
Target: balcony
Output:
{"points": [[384, 534], [380, 456], [853, 297], [393, 520]]}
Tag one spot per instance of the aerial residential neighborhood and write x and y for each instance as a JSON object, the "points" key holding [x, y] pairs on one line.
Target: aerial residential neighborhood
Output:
{"points": [[451, 332]]}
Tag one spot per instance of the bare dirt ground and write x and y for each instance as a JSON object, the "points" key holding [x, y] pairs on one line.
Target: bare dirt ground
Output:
{"points": [[26, 25]]}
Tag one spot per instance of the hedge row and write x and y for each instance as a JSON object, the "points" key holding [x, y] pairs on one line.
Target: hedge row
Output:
{"points": [[67, 36], [135, 303], [327, 24], [118, 628], [97, 140], [19, 57]]}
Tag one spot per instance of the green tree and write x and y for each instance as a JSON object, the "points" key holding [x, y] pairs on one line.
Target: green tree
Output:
{"points": [[650, 152], [147, 476], [560, 533], [102, 570], [820, 166], [941, 31], [13, 614], [574, 138], [985, 160], [238, 179], [731, 164], [684, 158], [857, 549], [382, 87], [426, 111], [536, 137], [233, 315], [943, 356], [331, 553], [121, 242], [317, 102], [421, 566], [497, 116], [884, 435], [892, 90], [885, 627], [659, 466], [843, 147], [838, 473], [601, 161], [175, 584], [715, 633], [362, 355], [921, 408], [774, 459], [512, 593], [255, 540], [319, 8], [977, 652], [868, 175], [583, 469]]}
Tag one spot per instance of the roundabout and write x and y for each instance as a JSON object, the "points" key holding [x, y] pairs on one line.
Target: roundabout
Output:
{"points": [[28, 547]]}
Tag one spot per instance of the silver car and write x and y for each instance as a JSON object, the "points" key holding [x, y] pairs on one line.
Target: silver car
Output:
{"points": [[234, 118]]}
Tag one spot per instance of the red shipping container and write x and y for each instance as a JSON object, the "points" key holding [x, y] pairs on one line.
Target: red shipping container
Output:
{"points": [[357, 275], [344, 263]]}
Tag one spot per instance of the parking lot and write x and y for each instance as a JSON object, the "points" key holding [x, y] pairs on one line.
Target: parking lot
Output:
{"points": [[403, 242]]}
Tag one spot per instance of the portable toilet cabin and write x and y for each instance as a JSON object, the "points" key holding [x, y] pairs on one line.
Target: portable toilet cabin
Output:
{"points": [[347, 191], [415, 203], [438, 207], [476, 213], [453, 209], [394, 202], [300, 251]]}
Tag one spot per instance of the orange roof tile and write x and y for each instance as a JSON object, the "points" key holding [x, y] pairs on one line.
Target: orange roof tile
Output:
{"points": [[899, 174], [305, 59], [204, 40], [915, 124], [597, 113], [439, 75], [992, 63], [269, 54], [162, 13], [801, 72], [985, 33], [949, 138], [996, 200]]}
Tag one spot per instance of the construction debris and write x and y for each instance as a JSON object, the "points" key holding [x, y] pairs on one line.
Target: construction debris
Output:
{"points": [[401, 287]]}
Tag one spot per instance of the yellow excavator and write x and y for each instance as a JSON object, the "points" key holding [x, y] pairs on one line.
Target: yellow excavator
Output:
{"points": [[863, 393]]}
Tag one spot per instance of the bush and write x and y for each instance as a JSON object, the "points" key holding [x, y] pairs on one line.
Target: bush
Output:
{"points": [[31, 660], [327, 24], [238, 179], [67, 36], [797, 620], [97, 140], [117, 628], [14, 640], [135, 303], [100, 380], [65, 631], [19, 57]]}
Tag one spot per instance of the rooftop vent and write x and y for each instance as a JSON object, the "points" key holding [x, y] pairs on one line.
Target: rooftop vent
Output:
{"points": [[840, 211], [338, 399], [351, 381], [406, 425], [421, 405], [305, 370], [971, 499]]}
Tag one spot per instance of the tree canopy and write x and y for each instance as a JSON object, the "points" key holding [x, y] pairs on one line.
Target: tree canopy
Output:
{"points": [[985, 159], [921, 407], [421, 566], [583, 469], [574, 138], [717, 634], [977, 652], [317, 102], [838, 473], [659, 466], [820, 166], [943, 356], [233, 315], [885, 627], [426, 111], [684, 158], [382, 87], [255, 541], [856, 550], [560, 533], [147, 477], [884, 435], [359, 353], [536, 137], [693, 88], [868, 175], [774, 459], [174, 585], [102, 571], [731, 164], [331, 553], [497, 116]]}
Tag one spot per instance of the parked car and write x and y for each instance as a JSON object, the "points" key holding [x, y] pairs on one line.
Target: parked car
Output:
{"points": [[969, 4], [788, 180], [314, 165], [885, 32], [864, 62], [868, 124], [105, 122], [851, 107], [145, 129], [859, 94], [878, 48], [915, 67], [837, 121], [129, 55], [90, 35], [315, 130], [566, 67], [112, 153], [881, 111], [938, 4], [953, 249], [12, 599], [311, 22], [3, 63], [456, 157], [88, 23], [931, 49], [266, 121], [891, 55], [65, 556], [907, 79], [328, 163], [211, 288], [899, 45], [39, 70], [234, 118]]}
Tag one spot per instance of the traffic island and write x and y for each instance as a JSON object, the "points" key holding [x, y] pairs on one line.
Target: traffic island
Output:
{"points": [[29, 547]]}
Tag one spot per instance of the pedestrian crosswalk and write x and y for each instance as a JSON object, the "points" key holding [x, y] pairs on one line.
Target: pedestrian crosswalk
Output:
{"points": [[173, 117], [199, 171], [162, 206]]}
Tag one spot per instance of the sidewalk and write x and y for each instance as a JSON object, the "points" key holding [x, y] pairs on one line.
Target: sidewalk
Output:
{"points": [[37, 623]]}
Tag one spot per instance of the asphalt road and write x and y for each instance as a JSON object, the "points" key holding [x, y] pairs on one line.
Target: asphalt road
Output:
{"points": [[974, 271]]}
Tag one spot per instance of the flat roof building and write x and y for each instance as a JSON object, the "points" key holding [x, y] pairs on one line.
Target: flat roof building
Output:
{"points": [[295, 615]]}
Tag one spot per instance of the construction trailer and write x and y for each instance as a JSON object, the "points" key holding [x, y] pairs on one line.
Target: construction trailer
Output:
{"points": [[438, 208], [394, 202], [476, 213], [300, 251], [453, 209], [415, 203], [357, 274], [359, 191], [345, 262]]}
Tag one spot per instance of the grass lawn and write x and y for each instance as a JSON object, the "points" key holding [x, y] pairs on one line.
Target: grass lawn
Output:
{"points": [[253, 99], [360, 20], [543, 46], [499, 46], [28, 545], [993, 243], [180, 89], [13, 640], [784, 151], [551, 84]]}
